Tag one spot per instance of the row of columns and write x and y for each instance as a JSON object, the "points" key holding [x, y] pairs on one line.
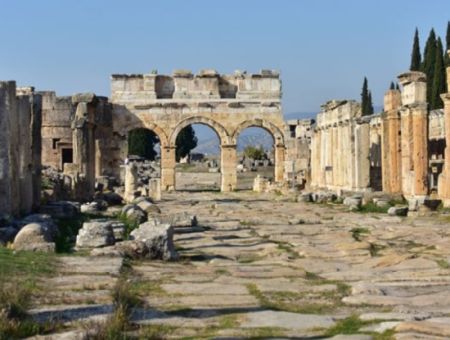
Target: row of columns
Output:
{"points": [[340, 149], [444, 177], [405, 137], [228, 166]]}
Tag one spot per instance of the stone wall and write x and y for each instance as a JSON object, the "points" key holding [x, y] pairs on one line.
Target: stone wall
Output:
{"points": [[20, 149], [298, 134]]}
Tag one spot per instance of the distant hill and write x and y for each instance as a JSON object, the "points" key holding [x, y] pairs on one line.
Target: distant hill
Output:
{"points": [[211, 146]]}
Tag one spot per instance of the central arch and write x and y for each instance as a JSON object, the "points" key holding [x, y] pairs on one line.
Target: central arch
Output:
{"points": [[221, 132]]}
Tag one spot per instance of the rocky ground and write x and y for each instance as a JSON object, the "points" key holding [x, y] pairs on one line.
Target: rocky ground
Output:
{"points": [[264, 266]]}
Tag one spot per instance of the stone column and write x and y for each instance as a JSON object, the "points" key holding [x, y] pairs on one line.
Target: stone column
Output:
{"points": [[168, 168], [26, 189], [444, 177], [228, 167], [385, 156], [414, 133], [420, 135], [362, 162], [280, 151], [131, 182], [407, 150], [7, 90], [36, 147]]}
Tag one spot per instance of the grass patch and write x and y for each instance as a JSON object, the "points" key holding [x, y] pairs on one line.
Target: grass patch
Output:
{"points": [[22, 267], [358, 232], [308, 302], [68, 229], [375, 249], [373, 208], [443, 264], [246, 223], [130, 225], [292, 254], [353, 324]]}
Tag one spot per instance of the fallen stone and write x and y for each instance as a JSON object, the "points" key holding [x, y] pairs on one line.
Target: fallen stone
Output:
{"points": [[35, 237], [95, 235], [398, 211], [159, 240], [425, 327], [134, 214], [113, 198], [59, 210]]}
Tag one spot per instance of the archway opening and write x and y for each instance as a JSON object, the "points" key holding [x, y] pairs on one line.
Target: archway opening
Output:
{"points": [[143, 149], [197, 159], [255, 157]]}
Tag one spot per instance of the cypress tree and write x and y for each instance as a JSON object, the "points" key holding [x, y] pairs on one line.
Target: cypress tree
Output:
{"points": [[439, 78], [416, 57], [392, 86], [429, 59], [447, 47], [186, 141], [364, 98], [141, 142], [397, 87], [370, 104]]}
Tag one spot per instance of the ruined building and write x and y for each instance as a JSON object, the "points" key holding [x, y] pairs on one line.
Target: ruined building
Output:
{"points": [[20, 149]]}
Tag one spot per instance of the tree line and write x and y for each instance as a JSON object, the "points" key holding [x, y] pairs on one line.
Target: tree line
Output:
{"points": [[433, 62]]}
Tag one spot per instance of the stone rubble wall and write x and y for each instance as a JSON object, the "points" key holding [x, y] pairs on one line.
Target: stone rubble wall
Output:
{"points": [[298, 134], [20, 149]]}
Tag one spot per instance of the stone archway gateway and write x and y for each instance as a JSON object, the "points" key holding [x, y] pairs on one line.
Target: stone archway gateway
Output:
{"points": [[226, 103]]}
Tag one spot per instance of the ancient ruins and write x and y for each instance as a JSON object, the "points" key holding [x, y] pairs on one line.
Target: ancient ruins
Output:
{"points": [[352, 227]]}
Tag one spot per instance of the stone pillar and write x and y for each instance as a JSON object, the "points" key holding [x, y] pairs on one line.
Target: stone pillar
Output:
{"points": [[36, 148], [279, 162], [131, 182], [444, 177], [362, 162], [414, 133], [7, 91], [407, 152], [154, 186], [420, 135], [25, 183], [168, 168], [228, 167]]}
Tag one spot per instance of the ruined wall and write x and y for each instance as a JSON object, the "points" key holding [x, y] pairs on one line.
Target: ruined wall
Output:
{"points": [[57, 116], [298, 134], [340, 148], [20, 149]]}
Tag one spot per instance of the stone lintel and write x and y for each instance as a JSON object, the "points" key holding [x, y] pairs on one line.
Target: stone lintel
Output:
{"points": [[412, 77], [208, 74], [127, 76], [270, 73], [83, 98], [182, 73]]}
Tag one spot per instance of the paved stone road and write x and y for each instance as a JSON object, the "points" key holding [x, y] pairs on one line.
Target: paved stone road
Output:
{"points": [[265, 266]]}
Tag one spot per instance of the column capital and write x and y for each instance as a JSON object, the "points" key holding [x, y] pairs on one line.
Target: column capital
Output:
{"points": [[228, 146]]}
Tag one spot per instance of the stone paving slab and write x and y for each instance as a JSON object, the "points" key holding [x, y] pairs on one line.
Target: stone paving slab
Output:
{"points": [[205, 289], [300, 322], [216, 301]]}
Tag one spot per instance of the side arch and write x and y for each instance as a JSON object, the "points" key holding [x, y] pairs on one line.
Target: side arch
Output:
{"points": [[150, 126], [221, 132], [276, 133]]}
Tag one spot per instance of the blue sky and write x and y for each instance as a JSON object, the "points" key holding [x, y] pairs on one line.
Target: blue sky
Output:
{"points": [[323, 48]]}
